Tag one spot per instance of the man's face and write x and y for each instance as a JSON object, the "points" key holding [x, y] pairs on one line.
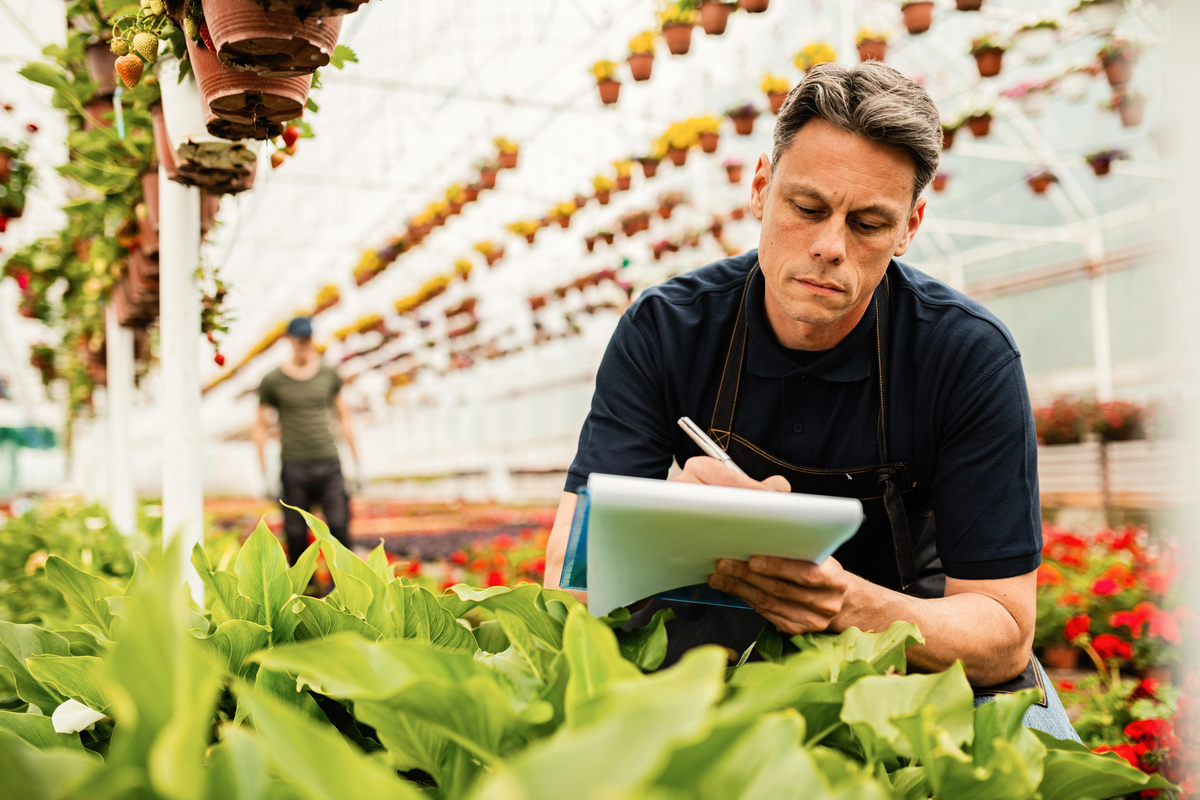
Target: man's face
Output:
{"points": [[302, 348], [836, 210]]}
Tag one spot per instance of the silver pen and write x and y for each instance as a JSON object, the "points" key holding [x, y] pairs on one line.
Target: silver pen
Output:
{"points": [[706, 444]]}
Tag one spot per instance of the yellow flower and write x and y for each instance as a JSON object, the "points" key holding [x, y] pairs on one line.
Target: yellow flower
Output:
{"points": [[868, 35], [328, 294], [454, 193], [623, 167], [485, 248], [524, 227], [506, 145], [463, 267], [773, 84], [602, 183], [642, 44], [813, 54], [604, 70], [707, 124], [564, 209]]}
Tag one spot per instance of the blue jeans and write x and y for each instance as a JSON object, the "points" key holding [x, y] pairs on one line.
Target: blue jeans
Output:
{"points": [[1052, 719]]}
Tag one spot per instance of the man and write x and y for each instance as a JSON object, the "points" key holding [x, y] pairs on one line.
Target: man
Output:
{"points": [[823, 365], [302, 390]]}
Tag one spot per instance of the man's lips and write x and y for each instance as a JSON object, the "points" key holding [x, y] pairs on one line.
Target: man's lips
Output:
{"points": [[822, 289]]}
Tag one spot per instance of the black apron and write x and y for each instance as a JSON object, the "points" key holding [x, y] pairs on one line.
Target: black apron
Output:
{"points": [[893, 520]]}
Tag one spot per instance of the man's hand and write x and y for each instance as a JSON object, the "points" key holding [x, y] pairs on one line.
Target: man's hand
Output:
{"points": [[795, 596], [703, 469]]}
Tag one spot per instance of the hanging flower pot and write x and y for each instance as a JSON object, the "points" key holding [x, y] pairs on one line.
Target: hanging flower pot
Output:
{"points": [[487, 177], [989, 54], [649, 166], [580, 201], [980, 124], [733, 171], [939, 181], [96, 113], [1118, 71], [968, 5], [678, 155], [1102, 160], [242, 104], [1039, 181], [149, 180], [276, 44], [5, 166], [162, 143], [102, 67], [871, 48], [590, 242], [507, 160], [309, 8], [1100, 16], [624, 182], [610, 90], [210, 204], [1060, 656], [1075, 85], [1131, 107], [918, 16], [1037, 42], [607, 236], [737, 213], [678, 36], [529, 237], [603, 197], [753, 6], [714, 16], [709, 141], [743, 117], [1118, 57], [641, 65], [948, 136], [470, 194], [776, 99], [665, 210]]}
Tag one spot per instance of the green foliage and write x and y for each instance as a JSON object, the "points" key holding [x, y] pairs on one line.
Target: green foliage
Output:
{"points": [[384, 690]]}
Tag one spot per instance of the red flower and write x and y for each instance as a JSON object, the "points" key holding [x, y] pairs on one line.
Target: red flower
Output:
{"points": [[1148, 729], [23, 280], [1077, 626], [1125, 751], [1070, 560], [1163, 626], [1109, 647], [1121, 574], [414, 567], [500, 558], [1147, 689], [1156, 581], [1073, 599], [1106, 587], [504, 542], [1066, 686], [447, 583], [1132, 619], [495, 578], [459, 556], [1049, 575], [479, 565]]}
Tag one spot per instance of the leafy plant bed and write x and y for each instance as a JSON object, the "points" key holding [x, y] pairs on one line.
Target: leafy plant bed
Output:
{"points": [[384, 689]]}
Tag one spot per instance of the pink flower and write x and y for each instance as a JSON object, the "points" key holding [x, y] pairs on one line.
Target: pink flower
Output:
{"points": [[1105, 587]]}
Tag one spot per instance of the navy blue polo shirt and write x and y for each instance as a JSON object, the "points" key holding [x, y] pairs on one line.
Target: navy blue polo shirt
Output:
{"points": [[959, 412]]}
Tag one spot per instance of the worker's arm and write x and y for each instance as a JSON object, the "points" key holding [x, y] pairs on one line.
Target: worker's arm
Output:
{"points": [[556, 547], [259, 434], [346, 427]]}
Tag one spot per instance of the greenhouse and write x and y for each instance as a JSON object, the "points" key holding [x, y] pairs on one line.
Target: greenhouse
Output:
{"points": [[345, 346]]}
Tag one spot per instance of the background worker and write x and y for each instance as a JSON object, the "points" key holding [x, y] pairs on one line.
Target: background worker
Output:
{"points": [[302, 391]]}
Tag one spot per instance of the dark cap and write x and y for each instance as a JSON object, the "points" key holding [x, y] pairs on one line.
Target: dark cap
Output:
{"points": [[300, 328]]}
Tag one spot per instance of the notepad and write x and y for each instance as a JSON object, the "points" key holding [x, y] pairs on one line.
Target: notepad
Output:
{"points": [[633, 538]]}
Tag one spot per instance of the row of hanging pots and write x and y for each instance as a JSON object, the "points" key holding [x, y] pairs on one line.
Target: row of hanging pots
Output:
{"points": [[714, 17]]}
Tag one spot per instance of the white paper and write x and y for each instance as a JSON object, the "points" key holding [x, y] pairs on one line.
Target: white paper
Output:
{"points": [[649, 536]]}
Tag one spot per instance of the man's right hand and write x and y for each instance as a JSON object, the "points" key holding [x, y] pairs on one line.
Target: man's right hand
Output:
{"points": [[703, 469]]}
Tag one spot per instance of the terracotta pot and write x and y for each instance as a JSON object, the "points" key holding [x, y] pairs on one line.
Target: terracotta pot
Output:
{"points": [[989, 62], [709, 141], [737, 213], [1059, 656], [5, 166], [649, 167], [580, 201], [678, 155], [753, 6], [609, 92], [210, 204], [563, 222], [603, 197], [495, 256], [150, 194], [918, 17], [94, 111], [607, 237], [743, 126], [717, 230], [1119, 72], [313, 8], [948, 139], [470, 194], [980, 126], [968, 5], [872, 50], [244, 105], [507, 160], [487, 178], [102, 68], [275, 44], [939, 183], [162, 143], [1132, 111], [734, 172], [590, 243], [664, 211], [714, 16], [1040, 184], [147, 237], [641, 65], [1162, 673], [624, 182], [529, 237], [777, 99], [454, 208], [1101, 168], [678, 37]]}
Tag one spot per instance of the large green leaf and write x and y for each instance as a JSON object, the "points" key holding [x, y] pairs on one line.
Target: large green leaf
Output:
{"points": [[378, 562], [237, 767], [38, 731], [872, 702], [1002, 720], [526, 601], [595, 662], [410, 742], [647, 646], [33, 774], [1072, 772], [461, 598], [220, 584], [319, 619], [302, 571], [883, 651], [234, 641], [415, 614], [798, 682], [359, 589], [317, 761], [261, 568], [19, 642], [282, 686], [84, 593], [76, 677]]}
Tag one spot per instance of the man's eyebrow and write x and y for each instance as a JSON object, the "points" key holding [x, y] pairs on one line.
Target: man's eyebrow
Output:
{"points": [[807, 191]]}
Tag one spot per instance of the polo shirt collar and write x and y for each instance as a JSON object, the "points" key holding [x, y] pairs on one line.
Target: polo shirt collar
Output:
{"points": [[850, 360]]}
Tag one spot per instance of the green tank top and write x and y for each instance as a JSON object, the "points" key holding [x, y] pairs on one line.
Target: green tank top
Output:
{"points": [[304, 412]]}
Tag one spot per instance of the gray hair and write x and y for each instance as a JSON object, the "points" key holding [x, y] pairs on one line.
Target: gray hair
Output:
{"points": [[872, 100]]}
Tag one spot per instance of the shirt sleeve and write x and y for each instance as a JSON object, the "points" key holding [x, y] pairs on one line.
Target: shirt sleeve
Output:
{"points": [[266, 392], [985, 484], [624, 433], [335, 383]]}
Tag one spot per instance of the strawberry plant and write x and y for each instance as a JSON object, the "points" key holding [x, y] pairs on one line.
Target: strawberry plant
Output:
{"points": [[384, 689]]}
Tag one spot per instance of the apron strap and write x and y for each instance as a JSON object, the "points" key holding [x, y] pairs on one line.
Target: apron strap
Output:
{"points": [[731, 375]]}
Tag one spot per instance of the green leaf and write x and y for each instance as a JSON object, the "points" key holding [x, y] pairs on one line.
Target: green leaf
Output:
{"points": [[234, 641], [220, 584], [302, 571], [411, 744], [315, 758], [1002, 719], [798, 682], [341, 56], [19, 642], [910, 783], [377, 561], [416, 614], [595, 662], [43, 73], [282, 686], [647, 646], [312, 106], [33, 774], [237, 767], [873, 702], [490, 638], [82, 643], [319, 619], [461, 598], [38, 731], [84, 593], [767, 761], [359, 590], [262, 573], [75, 677], [883, 651], [1072, 772]]}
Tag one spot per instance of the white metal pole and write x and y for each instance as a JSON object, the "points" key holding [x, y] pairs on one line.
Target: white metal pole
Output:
{"points": [[122, 503], [1101, 336], [179, 336]]}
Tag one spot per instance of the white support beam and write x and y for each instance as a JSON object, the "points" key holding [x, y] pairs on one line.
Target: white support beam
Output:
{"points": [[179, 335], [122, 502]]}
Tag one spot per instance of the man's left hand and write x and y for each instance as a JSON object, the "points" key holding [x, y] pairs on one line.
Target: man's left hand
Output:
{"points": [[795, 596]]}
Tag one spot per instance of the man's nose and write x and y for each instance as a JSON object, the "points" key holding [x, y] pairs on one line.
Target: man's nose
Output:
{"points": [[829, 244]]}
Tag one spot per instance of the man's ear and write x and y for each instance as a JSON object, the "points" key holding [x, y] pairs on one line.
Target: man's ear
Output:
{"points": [[915, 218], [759, 186]]}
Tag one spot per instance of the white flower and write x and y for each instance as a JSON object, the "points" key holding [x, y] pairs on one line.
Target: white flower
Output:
{"points": [[73, 716]]}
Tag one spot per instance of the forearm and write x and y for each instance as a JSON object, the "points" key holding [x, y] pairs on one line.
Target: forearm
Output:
{"points": [[259, 436], [348, 435], [556, 546], [972, 628]]}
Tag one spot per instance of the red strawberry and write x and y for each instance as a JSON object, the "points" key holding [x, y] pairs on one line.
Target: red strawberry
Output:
{"points": [[277, 158], [3, 223], [205, 36], [290, 134], [220, 359], [31, 128], [129, 67], [290, 150]]}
